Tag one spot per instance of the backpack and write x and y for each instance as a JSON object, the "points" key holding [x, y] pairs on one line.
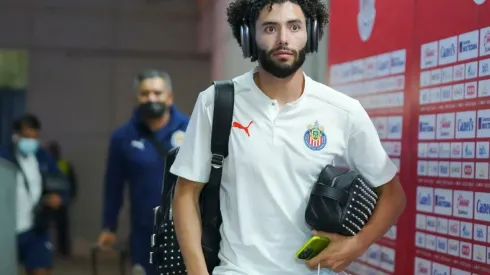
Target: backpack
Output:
{"points": [[165, 251]]}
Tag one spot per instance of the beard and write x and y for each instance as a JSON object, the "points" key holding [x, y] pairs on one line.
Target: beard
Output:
{"points": [[281, 69]]}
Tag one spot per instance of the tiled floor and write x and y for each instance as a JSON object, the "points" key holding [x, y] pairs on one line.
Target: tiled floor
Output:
{"points": [[80, 263], [82, 266]]}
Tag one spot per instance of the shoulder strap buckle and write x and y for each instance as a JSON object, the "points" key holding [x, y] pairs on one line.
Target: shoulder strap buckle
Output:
{"points": [[217, 161]]}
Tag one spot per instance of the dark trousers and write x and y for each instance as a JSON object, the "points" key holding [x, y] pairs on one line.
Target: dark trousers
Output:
{"points": [[34, 250], [62, 224], [140, 243]]}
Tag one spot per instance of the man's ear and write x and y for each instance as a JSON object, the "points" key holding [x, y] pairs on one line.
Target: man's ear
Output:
{"points": [[15, 137], [170, 99]]}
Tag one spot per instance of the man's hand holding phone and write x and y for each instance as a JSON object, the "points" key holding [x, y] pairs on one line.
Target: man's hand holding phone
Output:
{"points": [[339, 253]]}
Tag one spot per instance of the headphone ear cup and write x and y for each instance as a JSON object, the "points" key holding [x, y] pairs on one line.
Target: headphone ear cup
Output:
{"points": [[245, 40], [308, 35], [315, 36], [253, 43]]}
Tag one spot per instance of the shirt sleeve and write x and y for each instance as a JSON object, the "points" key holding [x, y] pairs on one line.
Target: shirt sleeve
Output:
{"points": [[194, 156], [365, 153]]}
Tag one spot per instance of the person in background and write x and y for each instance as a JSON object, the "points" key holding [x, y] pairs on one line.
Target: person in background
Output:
{"points": [[62, 220], [136, 155], [34, 246]]}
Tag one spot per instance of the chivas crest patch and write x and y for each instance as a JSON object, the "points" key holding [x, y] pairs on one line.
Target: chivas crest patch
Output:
{"points": [[315, 138]]}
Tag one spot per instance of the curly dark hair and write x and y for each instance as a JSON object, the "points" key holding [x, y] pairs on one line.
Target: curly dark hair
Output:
{"points": [[248, 10]]}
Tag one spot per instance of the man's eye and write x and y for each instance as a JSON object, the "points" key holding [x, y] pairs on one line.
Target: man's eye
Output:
{"points": [[270, 29], [295, 27]]}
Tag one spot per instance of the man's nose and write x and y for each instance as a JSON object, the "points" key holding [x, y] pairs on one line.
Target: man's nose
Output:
{"points": [[152, 97], [283, 37]]}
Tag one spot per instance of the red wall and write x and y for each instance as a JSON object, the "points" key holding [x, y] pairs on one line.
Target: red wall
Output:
{"points": [[428, 94]]}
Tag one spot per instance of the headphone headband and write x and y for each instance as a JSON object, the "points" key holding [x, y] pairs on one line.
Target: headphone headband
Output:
{"points": [[249, 47]]}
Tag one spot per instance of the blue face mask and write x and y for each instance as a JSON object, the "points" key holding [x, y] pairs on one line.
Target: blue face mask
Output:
{"points": [[28, 146]]}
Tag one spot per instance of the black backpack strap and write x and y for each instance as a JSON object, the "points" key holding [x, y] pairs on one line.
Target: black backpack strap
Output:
{"points": [[17, 164], [146, 132], [224, 99], [220, 133], [162, 151]]}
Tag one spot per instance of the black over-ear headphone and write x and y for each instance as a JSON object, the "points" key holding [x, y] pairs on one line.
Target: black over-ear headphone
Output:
{"points": [[249, 47]]}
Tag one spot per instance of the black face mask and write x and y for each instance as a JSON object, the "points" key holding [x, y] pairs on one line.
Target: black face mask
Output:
{"points": [[277, 69], [151, 110]]}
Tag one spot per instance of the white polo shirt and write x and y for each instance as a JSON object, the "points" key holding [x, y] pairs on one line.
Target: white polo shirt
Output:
{"points": [[269, 173], [26, 200]]}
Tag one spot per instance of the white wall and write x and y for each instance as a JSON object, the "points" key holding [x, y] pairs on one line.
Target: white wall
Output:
{"points": [[83, 57], [227, 56]]}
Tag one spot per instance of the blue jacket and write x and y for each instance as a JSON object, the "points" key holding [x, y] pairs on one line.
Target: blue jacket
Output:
{"points": [[47, 163], [134, 159]]}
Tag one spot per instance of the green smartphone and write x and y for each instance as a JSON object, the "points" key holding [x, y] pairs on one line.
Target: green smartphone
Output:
{"points": [[312, 247]]}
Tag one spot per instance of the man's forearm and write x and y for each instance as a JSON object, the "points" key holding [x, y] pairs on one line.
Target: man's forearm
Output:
{"points": [[390, 206], [188, 229]]}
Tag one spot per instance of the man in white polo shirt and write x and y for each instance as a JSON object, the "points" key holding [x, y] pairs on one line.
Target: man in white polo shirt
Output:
{"points": [[286, 128]]}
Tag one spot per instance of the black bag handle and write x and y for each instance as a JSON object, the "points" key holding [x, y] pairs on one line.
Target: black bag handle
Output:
{"points": [[169, 181]]}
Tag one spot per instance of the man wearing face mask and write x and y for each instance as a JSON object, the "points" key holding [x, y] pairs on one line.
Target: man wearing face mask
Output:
{"points": [[136, 155], [34, 164]]}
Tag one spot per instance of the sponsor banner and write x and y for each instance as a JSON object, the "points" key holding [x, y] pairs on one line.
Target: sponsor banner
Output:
{"points": [[428, 95]]}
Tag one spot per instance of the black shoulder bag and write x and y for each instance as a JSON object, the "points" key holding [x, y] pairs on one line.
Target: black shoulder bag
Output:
{"points": [[166, 255], [341, 201]]}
